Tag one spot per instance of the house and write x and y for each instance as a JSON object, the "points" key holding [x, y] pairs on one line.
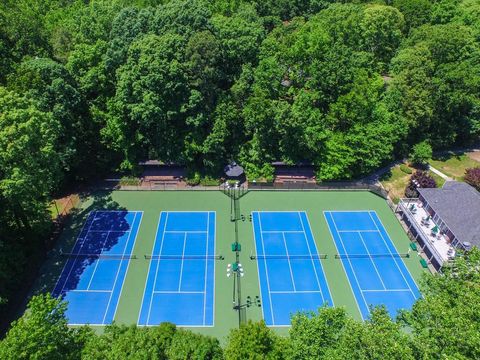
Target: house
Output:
{"points": [[443, 220]]}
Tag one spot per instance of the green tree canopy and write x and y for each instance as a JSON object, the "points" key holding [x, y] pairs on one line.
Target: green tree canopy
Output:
{"points": [[42, 333]]}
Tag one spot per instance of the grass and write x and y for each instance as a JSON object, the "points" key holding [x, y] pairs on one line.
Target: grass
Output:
{"points": [[438, 179], [152, 202], [63, 205], [454, 165], [130, 181], [395, 182]]}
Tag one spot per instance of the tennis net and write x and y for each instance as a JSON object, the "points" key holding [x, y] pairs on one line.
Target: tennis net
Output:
{"points": [[100, 256], [184, 257], [366, 256], [288, 257]]}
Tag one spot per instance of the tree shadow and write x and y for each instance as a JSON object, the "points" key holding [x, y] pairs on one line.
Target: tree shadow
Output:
{"points": [[445, 156], [75, 227], [386, 175]]}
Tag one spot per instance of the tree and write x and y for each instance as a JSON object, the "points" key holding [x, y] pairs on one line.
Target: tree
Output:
{"points": [[419, 179], [254, 341], [27, 159], [312, 335], [421, 153], [240, 36], [434, 87], [57, 93], [151, 102], [444, 320], [188, 345], [80, 23], [29, 170], [378, 337], [472, 177], [381, 29], [415, 12], [331, 334], [42, 333], [127, 342]]}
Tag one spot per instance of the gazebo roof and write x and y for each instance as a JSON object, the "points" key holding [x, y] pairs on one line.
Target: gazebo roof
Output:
{"points": [[233, 170]]}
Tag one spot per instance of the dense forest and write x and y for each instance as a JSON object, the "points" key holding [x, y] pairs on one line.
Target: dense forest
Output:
{"points": [[92, 86]]}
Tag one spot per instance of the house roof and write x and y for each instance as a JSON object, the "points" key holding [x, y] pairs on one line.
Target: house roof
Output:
{"points": [[458, 205]]}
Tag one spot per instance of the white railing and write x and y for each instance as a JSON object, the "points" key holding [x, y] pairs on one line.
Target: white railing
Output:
{"points": [[404, 204]]}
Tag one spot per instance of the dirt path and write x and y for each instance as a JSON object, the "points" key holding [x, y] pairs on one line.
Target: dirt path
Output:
{"points": [[474, 155]]}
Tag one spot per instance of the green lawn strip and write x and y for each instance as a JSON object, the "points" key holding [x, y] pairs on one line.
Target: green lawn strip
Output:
{"points": [[438, 179], [454, 165]]}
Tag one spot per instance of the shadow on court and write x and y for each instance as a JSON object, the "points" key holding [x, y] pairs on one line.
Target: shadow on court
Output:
{"points": [[100, 234], [52, 268]]}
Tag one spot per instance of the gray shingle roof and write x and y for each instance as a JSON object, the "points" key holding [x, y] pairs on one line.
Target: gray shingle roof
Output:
{"points": [[458, 205]]}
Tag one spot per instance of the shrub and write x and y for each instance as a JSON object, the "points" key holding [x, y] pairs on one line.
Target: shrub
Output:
{"points": [[472, 177], [209, 181], [405, 169], [420, 179], [130, 181], [194, 179], [421, 153]]}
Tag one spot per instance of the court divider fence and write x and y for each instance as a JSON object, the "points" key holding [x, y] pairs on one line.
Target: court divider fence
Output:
{"points": [[113, 184]]}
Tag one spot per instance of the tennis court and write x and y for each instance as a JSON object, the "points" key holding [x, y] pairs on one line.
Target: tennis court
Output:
{"points": [[180, 282], [374, 268], [289, 269], [92, 278]]}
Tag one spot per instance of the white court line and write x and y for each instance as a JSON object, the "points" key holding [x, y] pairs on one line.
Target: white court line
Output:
{"points": [[311, 254], [297, 292], [214, 264], [186, 211], [283, 232], [348, 211], [387, 290], [182, 261], [129, 262], [258, 267], [343, 264], [388, 247], [266, 269], [206, 271], [76, 257], [118, 271], [186, 232], [178, 292], [288, 259], [91, 291], [371, 260], [98, 260], [149, 268], [349, 231], [76, 241], [158, 265]]}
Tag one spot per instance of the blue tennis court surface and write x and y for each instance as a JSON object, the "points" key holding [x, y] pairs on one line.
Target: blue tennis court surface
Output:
{"points": [[180, 282], [93, 276], [290, 273], [382, 280]]}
